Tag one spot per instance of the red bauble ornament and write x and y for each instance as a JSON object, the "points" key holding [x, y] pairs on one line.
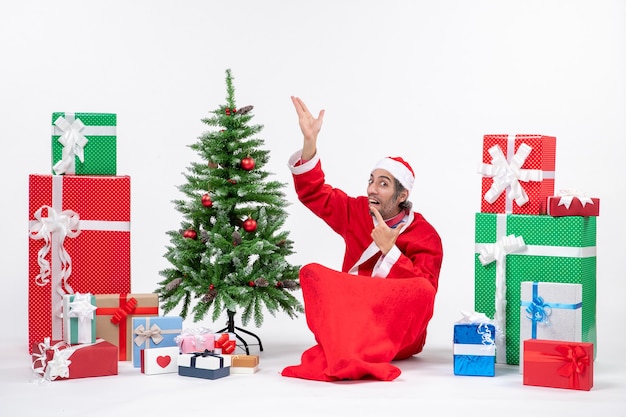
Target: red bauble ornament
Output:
{"points": [[251, 283], [247, 163], [211, 287], [249, 225], [190, 234], [206, 200]]}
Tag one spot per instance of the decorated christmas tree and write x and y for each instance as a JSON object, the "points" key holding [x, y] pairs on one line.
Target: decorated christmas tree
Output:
{"points": [[230, 253]]}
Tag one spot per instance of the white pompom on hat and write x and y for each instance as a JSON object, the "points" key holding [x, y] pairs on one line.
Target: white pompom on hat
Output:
{"points": [[399, 168]]}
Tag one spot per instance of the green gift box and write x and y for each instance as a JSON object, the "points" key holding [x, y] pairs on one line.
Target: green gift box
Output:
{"points": [[84, 143], [512, 248]]}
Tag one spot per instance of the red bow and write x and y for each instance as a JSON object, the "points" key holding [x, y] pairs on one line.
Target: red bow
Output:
{"points": [[122, 312], [225, 343], [576, 361]]}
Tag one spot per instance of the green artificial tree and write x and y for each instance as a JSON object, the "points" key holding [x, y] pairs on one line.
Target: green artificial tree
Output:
{"points": [[230, 253]]}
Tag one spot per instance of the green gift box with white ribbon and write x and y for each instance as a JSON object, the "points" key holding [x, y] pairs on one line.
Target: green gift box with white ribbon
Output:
{"points": [[513, 248], [84, 143]]}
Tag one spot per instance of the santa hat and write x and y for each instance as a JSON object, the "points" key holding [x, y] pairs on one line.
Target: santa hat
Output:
{"points": [[399, 168]]}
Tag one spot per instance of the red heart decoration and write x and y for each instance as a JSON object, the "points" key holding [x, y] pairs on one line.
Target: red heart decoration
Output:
{"points": [[163, 361]]}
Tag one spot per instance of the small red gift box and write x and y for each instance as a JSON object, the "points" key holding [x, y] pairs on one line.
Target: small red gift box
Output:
{"points": [[569, 204], [518, 173], [225, 343], [58, 360], [558, 364], [79, 242]]}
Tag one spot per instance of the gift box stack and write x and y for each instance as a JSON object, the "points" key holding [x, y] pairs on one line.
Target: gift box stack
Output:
{"points": [[81, 310], [535, 258], [208, 355]]}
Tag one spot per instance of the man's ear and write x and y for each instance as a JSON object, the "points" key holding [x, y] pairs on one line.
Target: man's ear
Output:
{"points": [[404, 195]]}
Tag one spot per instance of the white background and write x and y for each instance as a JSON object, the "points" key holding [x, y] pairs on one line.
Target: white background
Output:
{"points": [[421, 79]]}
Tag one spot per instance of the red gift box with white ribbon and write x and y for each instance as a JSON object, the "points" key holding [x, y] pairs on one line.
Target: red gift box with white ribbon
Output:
{"points": [[518, 173], [79, 229], [57, 360], [572, 203]]}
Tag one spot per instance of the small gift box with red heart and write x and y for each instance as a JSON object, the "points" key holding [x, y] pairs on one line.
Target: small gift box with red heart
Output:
{"points": [[159, 360], [154, 332], [558, 364], [207, 365], [225, 343]]}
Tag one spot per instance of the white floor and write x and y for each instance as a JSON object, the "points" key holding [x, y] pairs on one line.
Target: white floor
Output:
{"points": [[427, 387]]}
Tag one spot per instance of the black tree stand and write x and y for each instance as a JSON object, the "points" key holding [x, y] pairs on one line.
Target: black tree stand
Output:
{"points": [[230, 328]]}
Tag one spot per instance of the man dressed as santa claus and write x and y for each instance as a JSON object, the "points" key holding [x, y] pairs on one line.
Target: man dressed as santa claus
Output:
{"points": [[377, 308]]}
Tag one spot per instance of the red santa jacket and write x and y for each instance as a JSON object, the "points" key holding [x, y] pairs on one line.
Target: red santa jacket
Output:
{"points": [[418, 251]]}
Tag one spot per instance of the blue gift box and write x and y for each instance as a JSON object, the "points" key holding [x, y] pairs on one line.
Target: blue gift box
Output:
{"points": [[152, 332], [205, 365], [474, 349]]}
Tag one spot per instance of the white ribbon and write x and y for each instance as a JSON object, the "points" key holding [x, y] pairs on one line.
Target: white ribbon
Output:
{"points": [[482, 320], [473, 317], [507, 176], [467, 349], [81, 308], [567, 195], [40, 361], [63, 224], [497, 252], [59, 365], [73, 142], [60, 269]]}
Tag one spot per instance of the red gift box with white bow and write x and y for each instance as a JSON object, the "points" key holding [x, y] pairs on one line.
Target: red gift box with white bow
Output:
{"points": [[572, 203], [57, 360], [518, 173], [79, 229]]}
